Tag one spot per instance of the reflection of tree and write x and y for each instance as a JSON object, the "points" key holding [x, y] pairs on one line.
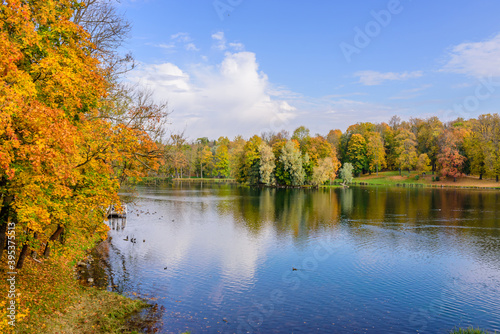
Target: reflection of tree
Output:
{"points": [[287, 210], [346, 201], [405, 217]]}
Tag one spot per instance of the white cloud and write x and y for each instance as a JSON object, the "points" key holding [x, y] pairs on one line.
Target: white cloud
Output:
{"points": [[237, 46], [219, 35], [191, 47], [412, 93], [176, 40], [166, 46], [181, 37], [478, 59], [231, 98], [220, 40], [373, 78]]}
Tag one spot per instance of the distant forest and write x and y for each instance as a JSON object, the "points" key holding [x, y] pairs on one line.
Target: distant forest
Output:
{"points": [[453, 149]]}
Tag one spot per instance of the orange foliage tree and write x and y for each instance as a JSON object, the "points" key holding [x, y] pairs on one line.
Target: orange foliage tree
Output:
{"points": [[61, 160]]}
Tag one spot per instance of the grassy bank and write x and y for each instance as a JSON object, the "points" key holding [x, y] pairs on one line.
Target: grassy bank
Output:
{"points": [[469, 330], [414, 179], [51, 300], [204, 179]]}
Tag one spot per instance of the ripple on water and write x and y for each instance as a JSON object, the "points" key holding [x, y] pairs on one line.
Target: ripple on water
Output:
{"points": [[436, 267]]}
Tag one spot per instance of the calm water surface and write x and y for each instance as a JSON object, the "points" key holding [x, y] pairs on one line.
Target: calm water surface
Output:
{"points": [[367, 260]]}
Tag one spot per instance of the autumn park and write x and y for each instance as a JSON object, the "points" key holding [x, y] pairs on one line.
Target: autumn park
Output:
{"points": [[77, 138]]}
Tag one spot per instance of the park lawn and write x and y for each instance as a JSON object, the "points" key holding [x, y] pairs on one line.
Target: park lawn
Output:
{"points": [[393, 178]]}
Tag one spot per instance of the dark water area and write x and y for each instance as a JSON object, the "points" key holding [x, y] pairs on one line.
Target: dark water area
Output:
{"points": [[230, 259]]}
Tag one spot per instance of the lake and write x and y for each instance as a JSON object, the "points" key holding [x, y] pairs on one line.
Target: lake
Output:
{"points": [[230, 259]]}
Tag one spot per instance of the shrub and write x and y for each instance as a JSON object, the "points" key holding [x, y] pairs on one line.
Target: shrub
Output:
{"points": [[437, 178], [417, 177]]}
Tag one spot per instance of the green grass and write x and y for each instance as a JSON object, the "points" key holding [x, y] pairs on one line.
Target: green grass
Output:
{"points": [[392, 178]]}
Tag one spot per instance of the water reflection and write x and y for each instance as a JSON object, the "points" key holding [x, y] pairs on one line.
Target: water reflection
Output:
{"points": [[211, 254]]}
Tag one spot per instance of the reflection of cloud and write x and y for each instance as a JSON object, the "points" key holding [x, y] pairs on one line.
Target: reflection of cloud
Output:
{"points": [[240, 256], [200, 241]]}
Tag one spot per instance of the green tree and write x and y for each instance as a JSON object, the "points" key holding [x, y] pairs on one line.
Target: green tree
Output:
{"points": [[292, 163], [346, 173]]}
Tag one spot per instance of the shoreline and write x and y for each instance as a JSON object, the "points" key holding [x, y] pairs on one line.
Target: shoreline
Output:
{"points": [[53, 298]]}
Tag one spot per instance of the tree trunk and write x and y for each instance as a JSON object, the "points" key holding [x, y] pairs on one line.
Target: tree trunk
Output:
{"points": [[53, 237], [3, 231], [22, 256], [33, 252], [4, 220], [481, 176], [497, 178], [377, 170], [399, 171], [454, 179]]}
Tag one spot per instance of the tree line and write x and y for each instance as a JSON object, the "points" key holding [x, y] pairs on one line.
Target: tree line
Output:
{"points": [[451, 149]]}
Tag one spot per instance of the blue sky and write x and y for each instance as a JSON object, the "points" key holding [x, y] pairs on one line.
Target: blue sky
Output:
{"points": [[229, 67]]}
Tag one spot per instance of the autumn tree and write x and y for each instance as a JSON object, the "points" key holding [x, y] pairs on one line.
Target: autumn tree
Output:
{"points": [[49, 86], [406, 149], [485, 146], [324, 171], [302, 136], [235, 147], [205, 160], [450, 160], [375, 151], [356, 153], [64, 145], [267, 164], [221, 160], [249, 162], [428, 133], [423, 163]]}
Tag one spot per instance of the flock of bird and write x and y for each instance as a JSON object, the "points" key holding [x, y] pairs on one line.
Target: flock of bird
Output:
{"points": [[134, 240]]}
